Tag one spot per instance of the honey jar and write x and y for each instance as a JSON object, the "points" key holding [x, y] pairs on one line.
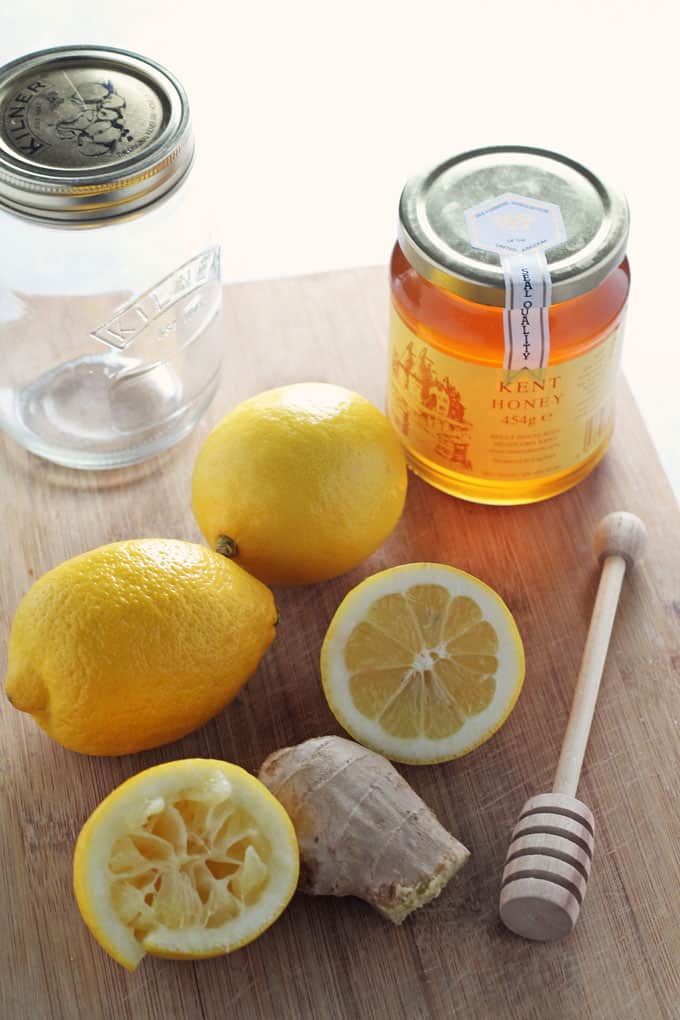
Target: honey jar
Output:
{"points": [[509, 283]]}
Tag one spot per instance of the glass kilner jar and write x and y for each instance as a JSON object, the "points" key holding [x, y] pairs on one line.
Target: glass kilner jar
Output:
{"points": [[109, 273], [509, 286]]}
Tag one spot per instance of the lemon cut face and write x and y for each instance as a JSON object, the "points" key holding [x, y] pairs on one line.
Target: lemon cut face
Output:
{"points": [[189, 859], [422, 663]]}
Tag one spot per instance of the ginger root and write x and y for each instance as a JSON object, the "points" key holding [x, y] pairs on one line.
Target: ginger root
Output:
{"points": [[362, 830]]}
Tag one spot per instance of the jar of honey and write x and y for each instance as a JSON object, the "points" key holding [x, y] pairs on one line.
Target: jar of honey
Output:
{"points": [[509, 284]]}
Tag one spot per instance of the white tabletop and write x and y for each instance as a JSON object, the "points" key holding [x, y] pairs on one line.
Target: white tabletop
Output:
{"points": [[311, 115]]}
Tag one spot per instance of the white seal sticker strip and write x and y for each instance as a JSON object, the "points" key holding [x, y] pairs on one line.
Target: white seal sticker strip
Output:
{"points": [[520, 230], [527, 298]]}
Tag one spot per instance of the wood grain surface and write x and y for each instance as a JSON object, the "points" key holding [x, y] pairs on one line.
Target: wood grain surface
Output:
{"points": [[336, 959]]}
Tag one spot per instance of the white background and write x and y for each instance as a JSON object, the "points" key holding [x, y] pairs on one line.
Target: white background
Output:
{"points": [[311, 115]]}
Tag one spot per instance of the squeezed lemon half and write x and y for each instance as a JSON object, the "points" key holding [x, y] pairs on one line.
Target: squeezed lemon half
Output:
{"points": [[422, 663], [189, 859]]}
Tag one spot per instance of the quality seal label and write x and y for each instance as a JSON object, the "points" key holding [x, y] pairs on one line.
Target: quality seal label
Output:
{"points": [[520, 230]]}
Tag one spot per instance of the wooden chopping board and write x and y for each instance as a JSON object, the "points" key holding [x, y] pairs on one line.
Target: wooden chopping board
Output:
{"points": [[335, 959]]}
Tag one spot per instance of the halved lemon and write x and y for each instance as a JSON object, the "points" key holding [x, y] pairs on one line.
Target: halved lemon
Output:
{"points": [[189, 859], [422, 663]]}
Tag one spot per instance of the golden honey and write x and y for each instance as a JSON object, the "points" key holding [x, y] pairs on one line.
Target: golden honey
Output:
{"points": [[504, 358]]}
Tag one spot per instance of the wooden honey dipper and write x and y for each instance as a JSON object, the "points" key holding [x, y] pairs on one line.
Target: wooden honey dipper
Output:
{"points": [[550, 853]]}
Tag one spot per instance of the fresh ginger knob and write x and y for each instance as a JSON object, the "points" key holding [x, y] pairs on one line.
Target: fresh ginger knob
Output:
{"points": [[620, 534], [362, 830]]}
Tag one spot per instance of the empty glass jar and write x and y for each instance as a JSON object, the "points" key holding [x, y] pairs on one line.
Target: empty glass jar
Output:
{"points": [[110, 289]]}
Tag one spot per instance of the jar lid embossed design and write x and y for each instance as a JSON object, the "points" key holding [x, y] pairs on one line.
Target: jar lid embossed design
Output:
{"points": [[434, 238], [89, 134]]}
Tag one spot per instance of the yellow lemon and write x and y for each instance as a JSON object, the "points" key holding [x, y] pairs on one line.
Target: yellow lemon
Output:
{"points": [[422, 663], [136, 643], [300, 483], [189, 859]]}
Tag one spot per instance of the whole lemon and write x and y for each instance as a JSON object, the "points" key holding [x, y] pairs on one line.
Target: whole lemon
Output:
{"points": [[300, 483], [134, 644]]}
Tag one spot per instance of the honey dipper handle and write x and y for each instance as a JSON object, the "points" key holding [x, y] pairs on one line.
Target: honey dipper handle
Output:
{"points": [[618, 542]]}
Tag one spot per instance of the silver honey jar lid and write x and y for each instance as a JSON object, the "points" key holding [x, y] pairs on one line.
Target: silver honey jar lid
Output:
{"points": [[90, 134], [433, 229]]}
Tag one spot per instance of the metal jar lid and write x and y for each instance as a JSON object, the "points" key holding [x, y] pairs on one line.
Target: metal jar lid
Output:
{"points": [[434, 238], [89, 134]]}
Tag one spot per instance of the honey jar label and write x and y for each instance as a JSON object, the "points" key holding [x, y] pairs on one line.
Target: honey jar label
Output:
{"points": [[489, 423]]}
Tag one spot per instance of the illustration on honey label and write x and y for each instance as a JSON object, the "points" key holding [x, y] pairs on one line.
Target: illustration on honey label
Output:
{"points": [[426, 406]]}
